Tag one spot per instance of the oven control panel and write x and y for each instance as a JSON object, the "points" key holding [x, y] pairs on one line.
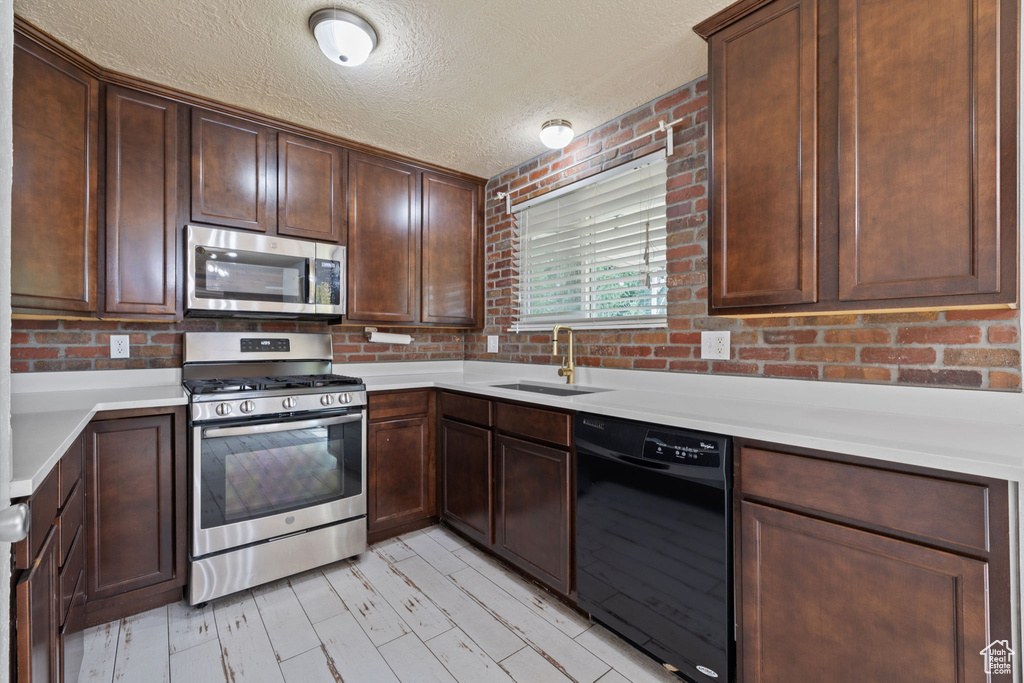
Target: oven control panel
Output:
{"points": [[257, 345], [203, 411]]}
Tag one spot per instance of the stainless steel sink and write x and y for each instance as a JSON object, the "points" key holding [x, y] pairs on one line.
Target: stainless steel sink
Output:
{"points": [[552, 389]]}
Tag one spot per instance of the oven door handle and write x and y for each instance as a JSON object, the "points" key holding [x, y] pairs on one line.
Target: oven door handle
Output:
{"points": [[281, 426]]}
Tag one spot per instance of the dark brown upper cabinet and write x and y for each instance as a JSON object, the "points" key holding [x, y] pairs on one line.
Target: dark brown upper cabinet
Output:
{"points": [[414, 245], [764, 232], [232, 172], [383, 232], [310, 189], [919, 149], [110, 247], [451, 291], [863, 155], [141, 205], [53, 198]]}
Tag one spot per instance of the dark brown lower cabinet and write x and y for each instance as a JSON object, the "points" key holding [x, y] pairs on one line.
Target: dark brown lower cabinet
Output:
{"points": [[38, 626], [533, 520], [466, 472], [401, 479], [135, 512], [848, 572], [825, 602], [49, 597], [506, 483]]}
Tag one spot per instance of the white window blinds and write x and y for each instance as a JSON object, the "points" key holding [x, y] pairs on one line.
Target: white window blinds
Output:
{"points": [[594, 255]]}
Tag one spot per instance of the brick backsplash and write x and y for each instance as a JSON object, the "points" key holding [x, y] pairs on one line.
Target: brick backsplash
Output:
{"points": [[49, 345], [976, 349]]}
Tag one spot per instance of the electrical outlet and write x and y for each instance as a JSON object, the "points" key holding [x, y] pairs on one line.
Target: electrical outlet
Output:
{"points": [[492, 343], [715, 345], [119, 346]]}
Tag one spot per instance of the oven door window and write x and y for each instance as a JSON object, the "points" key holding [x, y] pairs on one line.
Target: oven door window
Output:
{"points": [[258, 470], [236, 275]]}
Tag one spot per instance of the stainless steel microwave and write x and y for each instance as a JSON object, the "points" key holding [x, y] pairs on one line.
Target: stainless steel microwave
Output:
{"points": [[241, 274]]}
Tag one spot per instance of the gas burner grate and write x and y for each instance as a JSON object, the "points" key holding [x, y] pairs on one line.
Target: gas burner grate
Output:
{"points": [[232, 385], [216, 386]]}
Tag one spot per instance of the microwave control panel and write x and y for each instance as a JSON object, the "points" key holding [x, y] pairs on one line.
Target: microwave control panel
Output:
{"points": [[256, 345]]}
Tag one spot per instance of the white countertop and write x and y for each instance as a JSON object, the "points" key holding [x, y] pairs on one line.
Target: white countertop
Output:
{"points": [[966, 431], [49, 411]]}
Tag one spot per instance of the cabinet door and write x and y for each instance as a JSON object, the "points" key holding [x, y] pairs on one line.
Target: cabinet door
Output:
{"points": [[451, 283], [533, 519], [53, 198], [310, 189], [383, 229], [131, 506], [231, 172], [141, 210], [401, 485], [37, 625], [919, 175], [827, 603], [466, 476], [764, 192]]}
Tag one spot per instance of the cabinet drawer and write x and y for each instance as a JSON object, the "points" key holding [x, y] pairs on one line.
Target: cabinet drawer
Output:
{"points": [[466, 408], [43, 506], [70, 522], [399, 404], [951, 512], [71, 469], [70, 574], [534, 423]]}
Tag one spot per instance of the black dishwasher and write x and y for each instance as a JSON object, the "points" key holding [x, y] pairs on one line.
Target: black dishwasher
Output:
{"points": [[653, 550]]}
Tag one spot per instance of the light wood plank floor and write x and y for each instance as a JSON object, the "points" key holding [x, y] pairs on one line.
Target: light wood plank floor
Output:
{"points": [[422, 607]]}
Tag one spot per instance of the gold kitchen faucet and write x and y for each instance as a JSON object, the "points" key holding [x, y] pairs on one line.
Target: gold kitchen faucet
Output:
{"points": [[568, 369]]}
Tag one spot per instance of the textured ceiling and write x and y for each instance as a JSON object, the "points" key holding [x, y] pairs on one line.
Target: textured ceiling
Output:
{"points": [[464, 84]]}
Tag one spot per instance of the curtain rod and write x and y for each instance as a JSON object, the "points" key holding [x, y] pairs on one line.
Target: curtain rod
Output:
{"points": [[669, 150]]}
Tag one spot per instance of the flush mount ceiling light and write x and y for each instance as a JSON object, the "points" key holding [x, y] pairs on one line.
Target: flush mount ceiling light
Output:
{"points": [[345, 38], [556, 133]]}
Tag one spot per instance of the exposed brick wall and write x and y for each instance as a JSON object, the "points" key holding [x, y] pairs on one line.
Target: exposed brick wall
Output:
{"points": [[51, 345], [975, 349]]}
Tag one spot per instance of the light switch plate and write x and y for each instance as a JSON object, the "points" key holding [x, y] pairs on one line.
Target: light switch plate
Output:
{"points": [[119, 346], [715, 345], [492, 343]]}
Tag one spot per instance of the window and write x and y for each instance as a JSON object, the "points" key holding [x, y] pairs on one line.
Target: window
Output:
{"points": [[592, 254]]}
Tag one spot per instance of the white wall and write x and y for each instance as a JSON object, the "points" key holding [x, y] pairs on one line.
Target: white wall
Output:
{"points": [[6, 71]]}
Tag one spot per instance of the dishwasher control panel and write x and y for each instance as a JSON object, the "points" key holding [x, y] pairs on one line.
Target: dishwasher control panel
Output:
{"points": [[682, 449]]}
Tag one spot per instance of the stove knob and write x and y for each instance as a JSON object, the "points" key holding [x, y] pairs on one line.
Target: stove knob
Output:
{"points": [[326, 400], [224, 409], [345, 398], [289, 402], [247, 406]]}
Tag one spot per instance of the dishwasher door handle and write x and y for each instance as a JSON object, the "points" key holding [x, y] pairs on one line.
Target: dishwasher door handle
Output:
{"points": [[649, 464]]}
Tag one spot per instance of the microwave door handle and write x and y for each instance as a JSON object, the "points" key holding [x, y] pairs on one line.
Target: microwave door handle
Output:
{"points": [[312, 281], [281, 426]]}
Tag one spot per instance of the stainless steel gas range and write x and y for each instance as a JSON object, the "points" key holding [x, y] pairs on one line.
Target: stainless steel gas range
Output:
{"points": [[278, 459]]}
